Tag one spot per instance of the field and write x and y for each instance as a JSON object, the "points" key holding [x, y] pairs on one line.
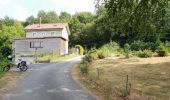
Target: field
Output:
{"points": [[148, 78]]}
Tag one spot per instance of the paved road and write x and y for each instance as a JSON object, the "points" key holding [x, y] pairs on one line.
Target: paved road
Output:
{"points": [[49, 82]]}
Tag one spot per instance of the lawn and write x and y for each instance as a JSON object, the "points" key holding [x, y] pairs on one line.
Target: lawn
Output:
{"points": [[149, 78]]}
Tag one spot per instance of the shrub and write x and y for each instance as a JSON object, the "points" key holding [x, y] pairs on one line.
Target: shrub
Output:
{"points": [[137, 45], [45, 59], [144, 53], [88, 58], [91, 55], [3, 62], [162, 51], [127, 50], [111, 47], [81, 49], [140, 45], [102, 54], [84, 67]]}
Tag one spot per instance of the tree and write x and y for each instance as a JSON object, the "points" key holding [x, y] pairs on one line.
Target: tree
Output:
{"points": [[84, 17], [65, 17], [135, 19], [52, 17], [31, 19], [43, 16]]}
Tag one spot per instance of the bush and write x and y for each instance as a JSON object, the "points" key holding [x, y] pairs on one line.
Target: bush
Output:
{"points": [[127, 50], [3, 62], [102, 54], [45, 59], [81, 49], [144, 53], [88, 58], [84, 67], [140, 45], [162, 51]]}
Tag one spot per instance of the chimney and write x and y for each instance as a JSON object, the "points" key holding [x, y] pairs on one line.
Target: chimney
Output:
{"points": [[40, 22]]}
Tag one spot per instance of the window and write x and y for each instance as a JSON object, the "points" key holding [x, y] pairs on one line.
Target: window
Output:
{"points": [[34, 34], [43, 34], [52, 33], [36, 44]]}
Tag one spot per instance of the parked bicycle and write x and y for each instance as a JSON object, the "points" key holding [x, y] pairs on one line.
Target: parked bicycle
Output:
{"points": [[22, 65]]}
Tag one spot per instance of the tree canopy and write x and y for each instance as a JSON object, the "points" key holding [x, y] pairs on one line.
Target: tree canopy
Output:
{"points": [[136, 19]]}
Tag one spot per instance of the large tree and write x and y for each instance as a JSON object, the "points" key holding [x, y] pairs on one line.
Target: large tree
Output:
{"points": [[65, 17], [135, 19]]}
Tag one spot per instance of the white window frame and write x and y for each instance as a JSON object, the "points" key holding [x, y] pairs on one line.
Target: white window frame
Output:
{"points": [[34, 34], [36, 44], [52, 33]]}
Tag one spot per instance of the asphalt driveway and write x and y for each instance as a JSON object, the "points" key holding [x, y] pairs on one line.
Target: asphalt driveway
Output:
{"points": [[49, 82]]}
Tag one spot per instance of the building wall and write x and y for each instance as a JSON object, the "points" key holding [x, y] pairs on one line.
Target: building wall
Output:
{"points": [[22, 47], [65, 33], [41, 34]]}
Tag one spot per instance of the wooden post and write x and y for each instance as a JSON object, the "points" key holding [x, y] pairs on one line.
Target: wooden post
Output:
{"points": [[130, 85], [98, 74], [127, 79]]}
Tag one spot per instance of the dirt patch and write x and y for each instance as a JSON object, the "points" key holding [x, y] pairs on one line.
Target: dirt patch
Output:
{"points": [[8, 82]]}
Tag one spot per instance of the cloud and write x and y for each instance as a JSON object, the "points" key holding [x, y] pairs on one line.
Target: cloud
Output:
{"points": [[13, 9], [20, 12], [75, 5], [5, 2], [21, 9]]}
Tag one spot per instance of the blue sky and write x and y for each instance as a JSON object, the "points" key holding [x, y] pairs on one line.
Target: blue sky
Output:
{"points": [[21, 9]]}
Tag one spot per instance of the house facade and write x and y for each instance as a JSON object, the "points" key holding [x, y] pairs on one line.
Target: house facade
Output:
{"points": [[43, 38]]}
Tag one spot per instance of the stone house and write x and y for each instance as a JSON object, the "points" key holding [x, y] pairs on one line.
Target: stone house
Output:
{"points": [[43, 38]]}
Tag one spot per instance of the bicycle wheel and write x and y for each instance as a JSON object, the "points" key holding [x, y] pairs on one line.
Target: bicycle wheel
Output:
{"points": [[23, 68]]}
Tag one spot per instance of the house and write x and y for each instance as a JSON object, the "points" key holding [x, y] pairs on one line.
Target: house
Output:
{"points": [[43, 38]]}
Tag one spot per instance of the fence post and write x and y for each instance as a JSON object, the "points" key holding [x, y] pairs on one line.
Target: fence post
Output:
{"points": [[98, 74], [130, 85], [127, 79]]}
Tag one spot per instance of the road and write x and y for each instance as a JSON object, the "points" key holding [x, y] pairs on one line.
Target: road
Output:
{"points": [[50, 81]]}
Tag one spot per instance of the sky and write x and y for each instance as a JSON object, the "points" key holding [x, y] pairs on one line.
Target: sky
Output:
{"points": [[21, 9]]}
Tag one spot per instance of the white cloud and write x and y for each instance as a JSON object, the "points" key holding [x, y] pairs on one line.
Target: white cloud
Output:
{"points": [[20, 12], [75, 5], [13, 9], [5, 2]]}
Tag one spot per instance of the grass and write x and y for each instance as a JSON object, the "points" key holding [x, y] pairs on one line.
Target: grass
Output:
{"points": [[8, 81], [63, 58], [54, 58], [149, 78], [5, 78]]}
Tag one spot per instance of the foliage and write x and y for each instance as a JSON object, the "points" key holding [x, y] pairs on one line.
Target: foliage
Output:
{"points": [[144, 53], [84, 67], [3, 62], [9, 30], [91, 55], [45, 59], [127, 50], [135, 19], [162, 51], [103, 52], [65, 17], [140, 45], [81, 49]]}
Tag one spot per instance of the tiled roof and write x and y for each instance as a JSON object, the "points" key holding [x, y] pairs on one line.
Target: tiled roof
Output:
{"points": [[46, 26]]}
